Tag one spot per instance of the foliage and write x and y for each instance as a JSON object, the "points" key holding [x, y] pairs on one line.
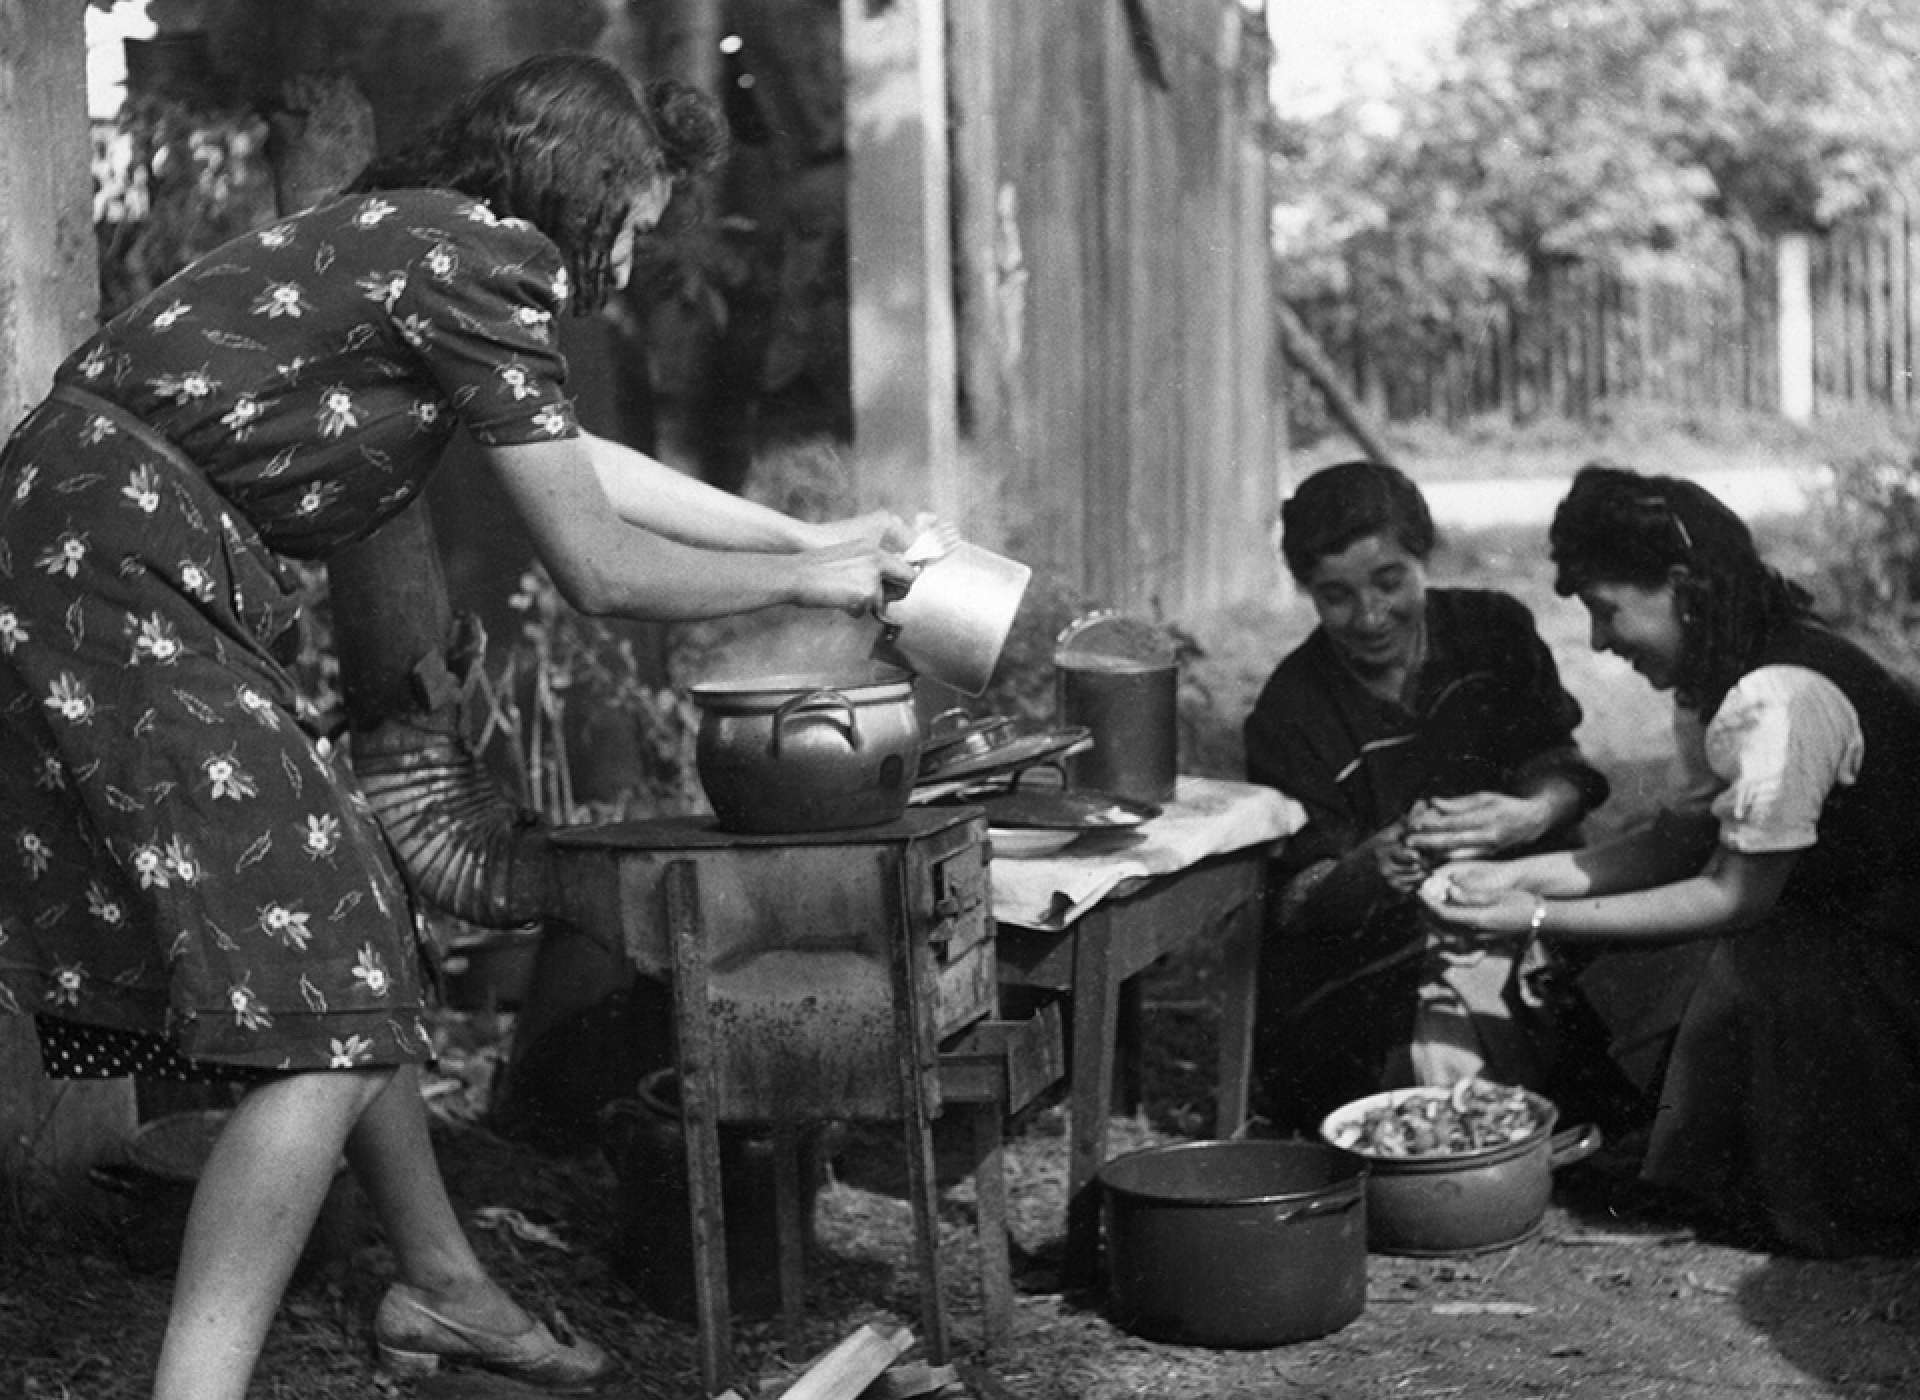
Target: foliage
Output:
{"points": [[1869, 513], [173, 180], [570, 690], [1623, 133]]}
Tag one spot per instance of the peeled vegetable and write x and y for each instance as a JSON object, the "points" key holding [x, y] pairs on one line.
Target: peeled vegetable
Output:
{"points": [[1473, 1115]]}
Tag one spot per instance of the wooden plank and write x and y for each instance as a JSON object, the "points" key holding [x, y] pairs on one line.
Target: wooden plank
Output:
{"points": [[904, 357], [49, 293], [1875, 286]]}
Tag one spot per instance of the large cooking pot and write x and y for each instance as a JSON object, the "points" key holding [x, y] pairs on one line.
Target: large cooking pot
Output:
{"points": [[1460, 1202], [807, 753], [1235, 1244]]}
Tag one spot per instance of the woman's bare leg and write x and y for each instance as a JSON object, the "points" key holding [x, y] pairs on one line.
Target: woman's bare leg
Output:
{"points": [[259, 1194], [391, 1151]]}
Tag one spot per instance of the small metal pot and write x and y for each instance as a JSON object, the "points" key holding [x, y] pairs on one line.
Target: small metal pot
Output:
{"points": [[1462, 1202], [1235, 1244], [798, 754]]}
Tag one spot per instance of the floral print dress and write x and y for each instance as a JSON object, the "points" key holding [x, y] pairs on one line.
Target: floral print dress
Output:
{"points": [[180, 857]]}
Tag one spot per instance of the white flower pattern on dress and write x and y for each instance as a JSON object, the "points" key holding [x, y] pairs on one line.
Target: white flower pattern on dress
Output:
{"points": [[104, 906], [197, 579], [322, 838], [149, 864], [13, 632], [227, 779], [194, 385], [281, 299], [66, 556], [143, 489], [354, 1050], [181, 862], [336, 413], [66, 984], [156, 640], [371, 971], [249, 1011], [69, 698], [240, 419], [257, 706], [35, 854], [518, 381], [287, 925]]}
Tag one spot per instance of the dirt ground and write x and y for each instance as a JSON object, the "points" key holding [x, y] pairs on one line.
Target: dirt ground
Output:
{"points": [[1591, 1306]]}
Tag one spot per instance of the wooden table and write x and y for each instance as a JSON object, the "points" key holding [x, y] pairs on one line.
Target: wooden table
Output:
{"points": [[1201, 875]]}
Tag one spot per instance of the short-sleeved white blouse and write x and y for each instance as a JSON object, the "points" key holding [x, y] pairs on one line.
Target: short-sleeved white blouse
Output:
{"points": [[1780, 742]]}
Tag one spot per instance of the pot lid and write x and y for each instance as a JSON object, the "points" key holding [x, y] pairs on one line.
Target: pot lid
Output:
{"points": [[953, 733], [1004, 759]]}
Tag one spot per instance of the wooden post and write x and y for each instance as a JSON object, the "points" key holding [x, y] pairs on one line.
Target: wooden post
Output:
{"points": [[1794, 327], [49, 295], [905, 386]]}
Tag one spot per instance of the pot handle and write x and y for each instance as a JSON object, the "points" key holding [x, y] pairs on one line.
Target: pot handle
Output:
{"points": [[1324, 1205], [815, 700], [1575, 1144]]}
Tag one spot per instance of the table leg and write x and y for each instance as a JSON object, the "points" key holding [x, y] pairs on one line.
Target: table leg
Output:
{"points": [[990, 1195], [1129, 1039], [693, 1046], [918, 1105], [1095, 1021], [1240, 972], [788, 1173]]}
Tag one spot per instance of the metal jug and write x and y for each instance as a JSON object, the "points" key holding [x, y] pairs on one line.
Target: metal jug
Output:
{"points": [[1120, 677], [953, 619]]}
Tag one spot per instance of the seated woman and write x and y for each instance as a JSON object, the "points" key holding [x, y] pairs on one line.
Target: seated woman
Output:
{"points": [[1415, 725], [1790, 1106]]}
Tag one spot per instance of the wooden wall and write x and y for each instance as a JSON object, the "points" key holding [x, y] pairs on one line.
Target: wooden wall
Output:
{"points": [[1118, 375], [48, 292]]}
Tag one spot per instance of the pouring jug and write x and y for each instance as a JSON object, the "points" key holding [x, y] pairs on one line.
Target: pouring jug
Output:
{"points": [[953, 619]]}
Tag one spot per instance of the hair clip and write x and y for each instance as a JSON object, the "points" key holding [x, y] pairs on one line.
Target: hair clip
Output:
{"points": [[1661, 504]]}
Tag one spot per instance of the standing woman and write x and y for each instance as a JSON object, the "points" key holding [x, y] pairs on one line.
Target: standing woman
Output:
{"points": [[194, 887], [1415, 725], [1790, 1107]]}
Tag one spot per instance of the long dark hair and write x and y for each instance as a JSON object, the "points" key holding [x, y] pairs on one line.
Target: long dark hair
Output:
{"points": [[563, 140], [1349, 501], [1619, 526]]}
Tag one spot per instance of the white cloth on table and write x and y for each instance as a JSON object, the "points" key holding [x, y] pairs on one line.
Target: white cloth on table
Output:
{"points": [[1206, 817]]}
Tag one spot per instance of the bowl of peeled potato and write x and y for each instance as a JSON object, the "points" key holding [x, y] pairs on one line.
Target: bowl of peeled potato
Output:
{"points": [[1456, 1169]]}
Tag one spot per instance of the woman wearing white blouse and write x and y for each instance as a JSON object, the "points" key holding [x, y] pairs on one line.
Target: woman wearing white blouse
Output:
{"points": [[1789, 1108]]}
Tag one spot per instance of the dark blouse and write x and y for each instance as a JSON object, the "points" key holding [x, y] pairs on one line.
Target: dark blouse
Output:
{"points": [[1489, 714]]}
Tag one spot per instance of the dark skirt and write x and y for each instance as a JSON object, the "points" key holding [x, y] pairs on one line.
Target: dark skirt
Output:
{"points": [[1792, 1101]]}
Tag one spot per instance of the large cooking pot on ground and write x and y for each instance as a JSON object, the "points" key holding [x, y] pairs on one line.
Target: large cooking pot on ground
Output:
{"points": [[796, 753], [1235, 1244], [1459, 1202]]}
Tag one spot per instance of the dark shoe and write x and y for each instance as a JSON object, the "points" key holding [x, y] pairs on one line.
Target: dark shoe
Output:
{"points": [[411, 1340]]}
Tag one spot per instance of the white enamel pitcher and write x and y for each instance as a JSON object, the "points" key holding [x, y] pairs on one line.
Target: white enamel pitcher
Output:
{"points": [[953, 619]]}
